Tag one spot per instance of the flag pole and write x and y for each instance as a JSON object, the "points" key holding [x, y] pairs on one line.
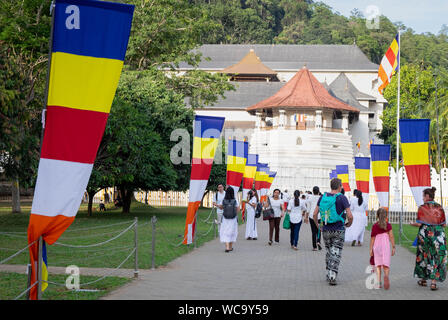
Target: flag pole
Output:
{"points": [[397, 192], [438, 142]]}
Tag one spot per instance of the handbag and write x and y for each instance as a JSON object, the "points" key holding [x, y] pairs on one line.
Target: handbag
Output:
{"points": [[286, 222], [268, 213]]}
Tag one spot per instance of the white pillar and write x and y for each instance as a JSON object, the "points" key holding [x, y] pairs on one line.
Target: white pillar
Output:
{"points": [[345, 122], [281, 119], [319, 120]]}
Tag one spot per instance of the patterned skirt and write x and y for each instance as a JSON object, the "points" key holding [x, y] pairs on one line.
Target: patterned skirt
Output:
{"points": [[431, 257]]}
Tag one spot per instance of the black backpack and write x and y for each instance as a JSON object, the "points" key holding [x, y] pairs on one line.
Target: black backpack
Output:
{"points": [[258, 210], [229, 211]]}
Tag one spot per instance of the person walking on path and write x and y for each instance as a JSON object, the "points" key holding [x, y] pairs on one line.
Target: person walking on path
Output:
{"points": [[296, 208], [251, 225], [431, 259], [381, 239], [315, 234], [274, 224], [334, 208], [229, 225], [358, 208], [219, 196], [285, 196]]}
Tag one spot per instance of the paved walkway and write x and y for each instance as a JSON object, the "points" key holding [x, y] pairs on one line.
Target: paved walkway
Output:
{"points": [[255, 270]]}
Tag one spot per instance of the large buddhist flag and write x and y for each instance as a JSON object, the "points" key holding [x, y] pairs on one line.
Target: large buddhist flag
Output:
{"points": [[342, 172], [389, 64], [380, 156], [206, 134], [414, 134], [237, 152], [89, 45], [249, 175], [362, 175]]}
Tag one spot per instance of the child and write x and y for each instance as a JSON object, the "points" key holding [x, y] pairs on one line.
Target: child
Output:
{"points": [[381, 239]]}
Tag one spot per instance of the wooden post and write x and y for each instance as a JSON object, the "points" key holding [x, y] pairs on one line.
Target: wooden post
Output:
{"points": [[39, 270], [136, 248], [153, 224]]}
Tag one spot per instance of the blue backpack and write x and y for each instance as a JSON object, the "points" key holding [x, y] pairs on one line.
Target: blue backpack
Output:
{"points": [[327, 209]]}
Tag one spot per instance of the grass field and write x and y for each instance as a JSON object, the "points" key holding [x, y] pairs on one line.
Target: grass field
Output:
{"points": [[99, 228]]}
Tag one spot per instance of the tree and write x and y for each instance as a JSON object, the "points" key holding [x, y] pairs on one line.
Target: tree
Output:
{"points": [[24, 35]]}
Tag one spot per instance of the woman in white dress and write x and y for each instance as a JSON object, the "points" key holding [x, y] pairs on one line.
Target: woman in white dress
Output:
{"points": [[251, 225], [229, 227], [358, 206]]}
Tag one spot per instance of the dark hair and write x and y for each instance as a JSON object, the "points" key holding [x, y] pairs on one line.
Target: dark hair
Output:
{"points": [[230, 194], [303, 196], [381, 215], [358, 193], [342, 191], [335, 183], [255, 193], [296, 198], [316, 190], [430, 192], [220, 184], [279, 192]]}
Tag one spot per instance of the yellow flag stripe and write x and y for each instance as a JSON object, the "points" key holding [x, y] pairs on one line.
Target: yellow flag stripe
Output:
{"points": [[204, 148], [415, 153], [380, 168], [362, 174]]}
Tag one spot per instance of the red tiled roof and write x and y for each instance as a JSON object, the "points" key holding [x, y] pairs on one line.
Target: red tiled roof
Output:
{"points": [[303, 91]]}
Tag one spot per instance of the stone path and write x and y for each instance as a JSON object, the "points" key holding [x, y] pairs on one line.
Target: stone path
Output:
{"points": [[255, 270]]}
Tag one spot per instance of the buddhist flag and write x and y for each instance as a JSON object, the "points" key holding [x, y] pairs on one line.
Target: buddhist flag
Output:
{"points": [[414, 134], [389, 64], [259, 177], [333, 174], [249, 176], [270, 179], [342, 172], [362, 174], [380, 156], [263, 176], [206, 134], [237, 152], [90, 39]]}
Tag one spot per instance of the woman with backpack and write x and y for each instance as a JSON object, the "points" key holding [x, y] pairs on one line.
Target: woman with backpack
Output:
{"points": [[251, 225], [296, 209], [229, 225], [358, 207]]}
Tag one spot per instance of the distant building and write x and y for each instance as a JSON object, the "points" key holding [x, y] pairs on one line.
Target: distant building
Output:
{"points": [[303, 108]]}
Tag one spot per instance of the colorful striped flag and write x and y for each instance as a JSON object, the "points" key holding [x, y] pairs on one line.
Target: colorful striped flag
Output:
{"points": [[207, 131], [389, 64], [342, 171], [89, 45], [270, 179], [380, 156], [259, 177], [237, 153], [264, 176], [248, 178], [362, 175], [414, 134]]}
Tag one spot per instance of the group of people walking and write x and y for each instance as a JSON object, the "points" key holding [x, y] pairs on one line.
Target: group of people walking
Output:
{"points": [[336, 220]]}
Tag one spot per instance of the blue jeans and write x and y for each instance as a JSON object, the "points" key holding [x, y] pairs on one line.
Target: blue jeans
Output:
{"points": [[295, 228]]}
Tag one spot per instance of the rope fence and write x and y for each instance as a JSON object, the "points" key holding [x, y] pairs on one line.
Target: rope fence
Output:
{"points": [[103, 251]]}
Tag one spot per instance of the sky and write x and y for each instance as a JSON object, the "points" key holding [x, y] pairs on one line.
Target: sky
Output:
{"points": [[420, 15]]}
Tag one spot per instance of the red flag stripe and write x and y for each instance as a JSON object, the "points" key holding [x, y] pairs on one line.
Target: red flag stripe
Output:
{"points": [[363, 186], [418, 175], [72, 134], [381, 184], [234, 178], [200, 169]]}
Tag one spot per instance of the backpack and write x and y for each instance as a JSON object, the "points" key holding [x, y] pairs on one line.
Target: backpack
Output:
{"points": [[327, 209], [229, 208], [258, 210]]}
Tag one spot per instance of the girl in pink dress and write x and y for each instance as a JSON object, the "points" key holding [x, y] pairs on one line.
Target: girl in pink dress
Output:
{"points": [[380, 242]]}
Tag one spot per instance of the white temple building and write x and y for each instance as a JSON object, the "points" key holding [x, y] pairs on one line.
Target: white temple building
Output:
{"points": [[303, 108]]}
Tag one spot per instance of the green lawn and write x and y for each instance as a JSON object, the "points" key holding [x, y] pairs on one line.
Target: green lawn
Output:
{"points": [[13, 284], [100, 227]]}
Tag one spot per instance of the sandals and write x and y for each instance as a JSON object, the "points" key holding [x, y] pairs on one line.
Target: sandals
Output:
{"points": [[434, 287], [422, 283]]}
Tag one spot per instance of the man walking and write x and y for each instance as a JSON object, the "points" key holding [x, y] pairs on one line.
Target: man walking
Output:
{"points": [[219, 196], [334, 208]]}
